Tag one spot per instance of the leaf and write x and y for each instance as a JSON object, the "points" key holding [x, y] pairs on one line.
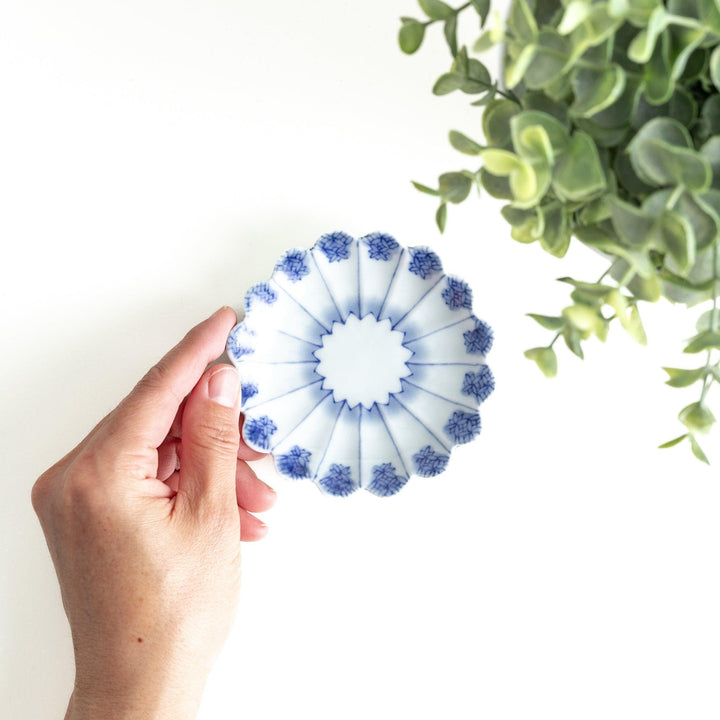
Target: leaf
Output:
{"points": [[525, 185], [705, 321], [516, 69], [549, 322], [496, 121], [703, 341], [674, 441], [635, 327], [435, 9], [715, 67], [697, 451], [575, 13], [545, 358], [552, 52], [411, 35], [678, 238], [483, 8], [572, 340], [454, 187], [441, 217], [596, 89], [425, 189], [579, 174], [642, 46], [633, 226], [585, 318], [659, 163], [450, 31], [556, 133], [464, 144], [521, 21], [679, 377], [697, 418], [448, 83]]}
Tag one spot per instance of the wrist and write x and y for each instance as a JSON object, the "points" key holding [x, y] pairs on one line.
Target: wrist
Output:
{"points": [[138, 693], [131, 706]]}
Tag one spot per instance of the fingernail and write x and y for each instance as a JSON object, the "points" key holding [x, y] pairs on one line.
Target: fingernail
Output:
{"points": [[224, 386]]}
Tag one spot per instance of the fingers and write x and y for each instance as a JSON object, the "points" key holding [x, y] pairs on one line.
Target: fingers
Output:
{"points": [[210, 441], [148, 412], [252, 493], [251, 528]]}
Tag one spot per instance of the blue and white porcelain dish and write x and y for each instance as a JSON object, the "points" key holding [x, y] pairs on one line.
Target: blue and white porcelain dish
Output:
{"points": [[362, 364]]}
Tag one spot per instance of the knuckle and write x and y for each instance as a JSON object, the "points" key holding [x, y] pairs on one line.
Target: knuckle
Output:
{"points": [[216, 436]]}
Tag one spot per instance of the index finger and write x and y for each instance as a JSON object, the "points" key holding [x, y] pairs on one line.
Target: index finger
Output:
{"points": [[147, 413]]}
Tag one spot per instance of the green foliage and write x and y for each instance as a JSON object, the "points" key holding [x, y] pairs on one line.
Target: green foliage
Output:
{"points": [[605, 130]]}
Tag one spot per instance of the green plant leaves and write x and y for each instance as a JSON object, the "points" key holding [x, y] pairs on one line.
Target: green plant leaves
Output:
{"points": [[607, 129], [545, 358], [579, 174], [596, 89], [435, 9], [411, 35], [464, 144], [661, 155]]}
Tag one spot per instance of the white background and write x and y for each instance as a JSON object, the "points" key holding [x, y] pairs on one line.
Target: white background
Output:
{"points": [[155, 159]]}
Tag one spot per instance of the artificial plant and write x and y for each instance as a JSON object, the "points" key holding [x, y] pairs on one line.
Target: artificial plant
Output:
{"points": [[605, 129]]}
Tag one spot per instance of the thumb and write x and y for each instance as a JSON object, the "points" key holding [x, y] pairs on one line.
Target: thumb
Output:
{"points": [[210, 440]]}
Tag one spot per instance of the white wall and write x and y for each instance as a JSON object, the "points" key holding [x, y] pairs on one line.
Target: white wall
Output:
{"points": [[155, 158]]}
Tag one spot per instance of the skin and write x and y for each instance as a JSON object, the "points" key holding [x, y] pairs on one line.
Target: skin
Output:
{"points": [[144, 521]]}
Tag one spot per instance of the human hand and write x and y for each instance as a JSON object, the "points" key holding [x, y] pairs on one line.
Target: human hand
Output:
{"points": [[144, 520]]}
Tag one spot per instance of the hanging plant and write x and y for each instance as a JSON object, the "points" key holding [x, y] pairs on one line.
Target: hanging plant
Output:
{"points": [[605, 130]]}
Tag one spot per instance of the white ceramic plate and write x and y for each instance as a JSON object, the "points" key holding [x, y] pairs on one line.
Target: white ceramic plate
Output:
{"points": [[362, 364]]}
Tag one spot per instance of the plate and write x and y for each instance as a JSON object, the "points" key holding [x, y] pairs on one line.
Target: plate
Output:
{"points": [[362, 364]]}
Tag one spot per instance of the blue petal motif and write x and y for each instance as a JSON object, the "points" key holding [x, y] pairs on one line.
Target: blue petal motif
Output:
{"points": [[457, 294], [479, 340], [293, 265], [258, 431], [385, 480], [336, 246], [479, 384], [337, 481], [236, 350], [295, 463], [424, 262], [380, 246], [429, 463], [248, 390], [262, 292], [462, 426]]}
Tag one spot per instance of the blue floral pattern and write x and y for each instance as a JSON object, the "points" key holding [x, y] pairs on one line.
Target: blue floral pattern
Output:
{"points": [[259, 431], [479, 384], [380, 246], [424, 262], [294, 265], [428, 462], [392, 311], [338, 480], [236, 350], [335, 246], [462, 426], [247, 390], [479, 340], [262, 292], [385, 480], [295, 463], [457, 294]]}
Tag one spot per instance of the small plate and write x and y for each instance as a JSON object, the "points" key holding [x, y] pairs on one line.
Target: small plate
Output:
{"points": [[362, 364]]}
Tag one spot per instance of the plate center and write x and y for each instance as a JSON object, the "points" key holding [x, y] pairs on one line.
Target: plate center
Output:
{"points": [[363, 360]]}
